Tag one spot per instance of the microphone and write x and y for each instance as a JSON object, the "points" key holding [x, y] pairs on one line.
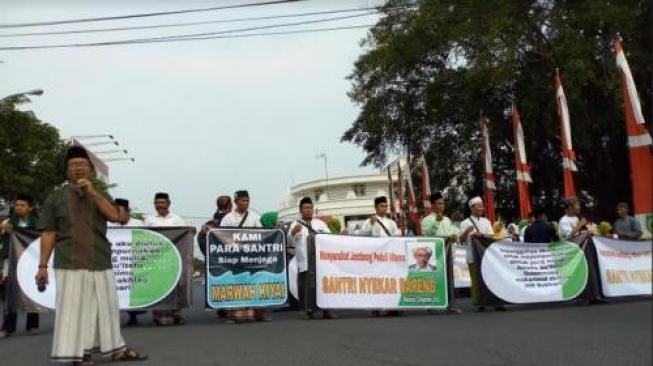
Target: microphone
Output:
{"points": [[79, 190]]}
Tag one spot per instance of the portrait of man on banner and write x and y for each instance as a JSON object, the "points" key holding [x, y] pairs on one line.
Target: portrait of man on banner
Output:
{"points": [[421, 257]]}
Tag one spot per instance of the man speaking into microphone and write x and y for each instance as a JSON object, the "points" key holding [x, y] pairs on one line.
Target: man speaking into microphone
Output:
{"points": [[74, 221]]}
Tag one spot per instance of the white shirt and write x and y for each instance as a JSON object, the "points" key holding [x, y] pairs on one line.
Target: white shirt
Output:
{"points": [[567, 224], [376, 229], [484, 227], [234, 218], [300, 241], [168, 220], [131, 222]]}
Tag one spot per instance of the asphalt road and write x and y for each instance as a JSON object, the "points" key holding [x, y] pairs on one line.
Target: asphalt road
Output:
{"points": [[605, 334]]}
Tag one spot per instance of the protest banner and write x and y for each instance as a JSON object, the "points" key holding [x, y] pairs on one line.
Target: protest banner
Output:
{"points": [[353, 272], [152, 268], [526, 273], [624, 266], [246, 268], [461, 278]]}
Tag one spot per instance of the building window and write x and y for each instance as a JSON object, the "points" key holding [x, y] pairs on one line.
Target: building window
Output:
{"points": [[359, 190], [318, 193]]}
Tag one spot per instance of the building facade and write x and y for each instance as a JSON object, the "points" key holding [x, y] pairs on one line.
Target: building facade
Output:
{"points": [[350, 199]]}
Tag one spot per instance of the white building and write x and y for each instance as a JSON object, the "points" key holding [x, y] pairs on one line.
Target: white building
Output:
{"points": [[350, 199]]}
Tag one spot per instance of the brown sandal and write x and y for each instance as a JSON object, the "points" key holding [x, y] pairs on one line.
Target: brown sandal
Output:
{"points": [[127, 354], [87, 360]]}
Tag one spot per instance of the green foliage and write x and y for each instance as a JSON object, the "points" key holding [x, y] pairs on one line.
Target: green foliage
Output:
{"points": [[102, 186], [31, 153], [429, 71], [137, 216]]}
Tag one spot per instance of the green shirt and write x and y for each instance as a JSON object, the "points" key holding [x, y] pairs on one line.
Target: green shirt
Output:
{"points": [[81, 240], [443, 228]]}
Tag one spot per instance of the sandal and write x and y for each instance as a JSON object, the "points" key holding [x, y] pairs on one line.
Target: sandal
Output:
{"points": [[87, 360], [127, 354]]}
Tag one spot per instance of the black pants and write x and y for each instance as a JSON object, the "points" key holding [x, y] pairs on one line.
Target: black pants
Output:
{"points": [[307, 301], [10, 320], [302, 284]]}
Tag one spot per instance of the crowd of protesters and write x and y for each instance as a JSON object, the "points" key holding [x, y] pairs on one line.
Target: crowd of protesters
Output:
{"points": [[74, 220]]}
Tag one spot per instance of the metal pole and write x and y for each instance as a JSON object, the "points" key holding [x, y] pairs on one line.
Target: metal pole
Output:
{"points": [[326, 169], [326, 173]]}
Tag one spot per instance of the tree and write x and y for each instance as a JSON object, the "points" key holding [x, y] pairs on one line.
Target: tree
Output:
{"points": [[31, 154], [430, 68]]}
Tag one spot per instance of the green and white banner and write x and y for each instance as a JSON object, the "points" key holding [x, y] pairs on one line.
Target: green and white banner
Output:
{"points": [[380, 273], [147, 267], [522, 273]]}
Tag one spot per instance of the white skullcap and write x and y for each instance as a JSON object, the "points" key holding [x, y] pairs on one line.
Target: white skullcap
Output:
{"points": [[474, 201], [428, 250]]}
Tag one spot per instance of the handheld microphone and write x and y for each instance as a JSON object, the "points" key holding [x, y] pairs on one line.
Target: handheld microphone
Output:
{"points": [[79, 191]]}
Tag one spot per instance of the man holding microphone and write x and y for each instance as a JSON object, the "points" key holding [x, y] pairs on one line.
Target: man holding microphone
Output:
{"points": [[74, 220]]}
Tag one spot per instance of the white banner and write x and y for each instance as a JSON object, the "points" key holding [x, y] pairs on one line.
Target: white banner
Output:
{"points": [[461, 277], [624, 266], [380, 273], [523, 273], [146, 264]]}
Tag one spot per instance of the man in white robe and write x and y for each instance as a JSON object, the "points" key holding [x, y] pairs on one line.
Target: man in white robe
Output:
{"points": [[298, 235]]}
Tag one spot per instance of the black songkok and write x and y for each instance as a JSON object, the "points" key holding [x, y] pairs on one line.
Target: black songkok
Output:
{"points": [[305, 201], [76, 151], [241, 194], [435, 196], [25, 197], [122, 203], [162, 196]]}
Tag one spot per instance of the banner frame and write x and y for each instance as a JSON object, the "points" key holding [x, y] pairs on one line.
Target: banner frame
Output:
{"points": [[599, 283], [285, 268], [310, 303], [179, 298], [487, 298]]}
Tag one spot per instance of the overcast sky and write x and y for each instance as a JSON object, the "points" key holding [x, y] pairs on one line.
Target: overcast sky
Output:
{"points": [[201, 118]]}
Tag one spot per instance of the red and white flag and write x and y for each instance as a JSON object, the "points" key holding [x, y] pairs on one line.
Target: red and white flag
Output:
{"points": [[412, 202], [639, 144], [521, 165], [486, 157], [568, 155], [426, 186]]}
